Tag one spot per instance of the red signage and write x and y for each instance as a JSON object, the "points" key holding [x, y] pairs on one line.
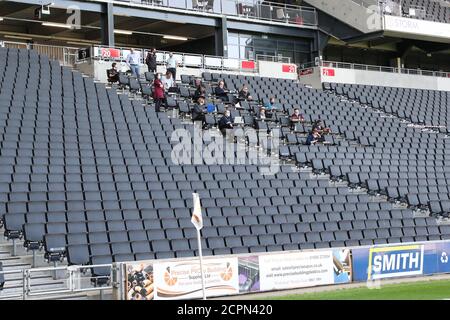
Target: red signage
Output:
{"points": [[110, 53], [328, 72], [305, 72], [248, 65], [289, 68]]}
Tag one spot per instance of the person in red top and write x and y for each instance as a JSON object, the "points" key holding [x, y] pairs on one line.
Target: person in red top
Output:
{"points": [[158, 92], [296, 117]]}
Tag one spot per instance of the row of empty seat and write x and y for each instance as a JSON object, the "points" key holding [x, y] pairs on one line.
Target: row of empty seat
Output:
{"points": [[87, 173]]}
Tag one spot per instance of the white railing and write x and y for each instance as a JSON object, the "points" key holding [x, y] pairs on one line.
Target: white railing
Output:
{"points": [[66, 55], [185, 60], [251, 9], [367, 67], [395, 8], [65, 280], [263, 57]]}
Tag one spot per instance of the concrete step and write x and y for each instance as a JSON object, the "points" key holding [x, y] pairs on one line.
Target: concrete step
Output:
{"points": [[16, 265]]}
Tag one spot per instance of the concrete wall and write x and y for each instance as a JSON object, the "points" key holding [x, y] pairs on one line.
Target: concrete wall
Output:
{"points": [[417, 29], [351, 13], [384, 79], [97, 69], [311, 78], [277, 70]]}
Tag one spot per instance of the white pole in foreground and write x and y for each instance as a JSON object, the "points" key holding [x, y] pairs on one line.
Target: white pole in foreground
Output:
{"points": [[201, 264], [197, 221]]}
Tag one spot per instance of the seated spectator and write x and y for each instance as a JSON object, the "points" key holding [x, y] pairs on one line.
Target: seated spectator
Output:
{"points": [[158, 92], [167, 81], [226, 122], [262, 114], [297, 117], [113, 74], [271, 105], [244, 94], [199, 110], [313, 137], [221, 92], [318, 125], [201, 91]]}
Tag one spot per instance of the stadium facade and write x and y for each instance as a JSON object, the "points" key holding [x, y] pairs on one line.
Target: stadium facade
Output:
{"points": [[92, 193]]}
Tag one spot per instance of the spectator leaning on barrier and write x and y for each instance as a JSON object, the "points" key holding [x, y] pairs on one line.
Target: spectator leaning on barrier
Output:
{"points": [[150, 60], [133, 60], [158, 92], [171, 65]]}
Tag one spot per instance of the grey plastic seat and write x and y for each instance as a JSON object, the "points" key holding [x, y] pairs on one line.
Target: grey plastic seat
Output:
{"points": [[78, 254]]}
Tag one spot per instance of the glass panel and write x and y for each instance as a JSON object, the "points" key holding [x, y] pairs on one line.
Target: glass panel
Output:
{"points": [[182, 4], [229, 7], [287, 45], [193, 60], [266, 12], [231, 64], [244, 39], [233, 51], [213, 62], [301, 57], [286, 54], [264, 43], [233, 38], [302, 46], [308, 17]]}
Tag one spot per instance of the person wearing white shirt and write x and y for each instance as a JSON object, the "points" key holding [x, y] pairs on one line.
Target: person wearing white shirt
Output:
{"points": [[171, 65], [168, 81], [133, 60]]}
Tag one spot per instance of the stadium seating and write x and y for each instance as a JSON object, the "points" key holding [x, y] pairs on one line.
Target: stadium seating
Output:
{"points": [[87, 173], [433, 10], [414, 166]]}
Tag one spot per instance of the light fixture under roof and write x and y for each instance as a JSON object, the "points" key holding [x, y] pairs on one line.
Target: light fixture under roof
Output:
{"points": [[169, 37], [1, 18], [57, 25], [123, 32]]}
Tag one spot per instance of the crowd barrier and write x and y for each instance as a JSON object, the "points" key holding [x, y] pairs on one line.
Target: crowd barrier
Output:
{"points": [[233, 275], [99, 59], [250, 9], [185, 60], [253, 273]]}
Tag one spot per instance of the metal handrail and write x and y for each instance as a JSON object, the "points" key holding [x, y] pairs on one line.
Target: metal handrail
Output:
{"points": [[72, 276], [66, 55], [220, 63], [366, 67], [252, 9], [264, 57]]}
